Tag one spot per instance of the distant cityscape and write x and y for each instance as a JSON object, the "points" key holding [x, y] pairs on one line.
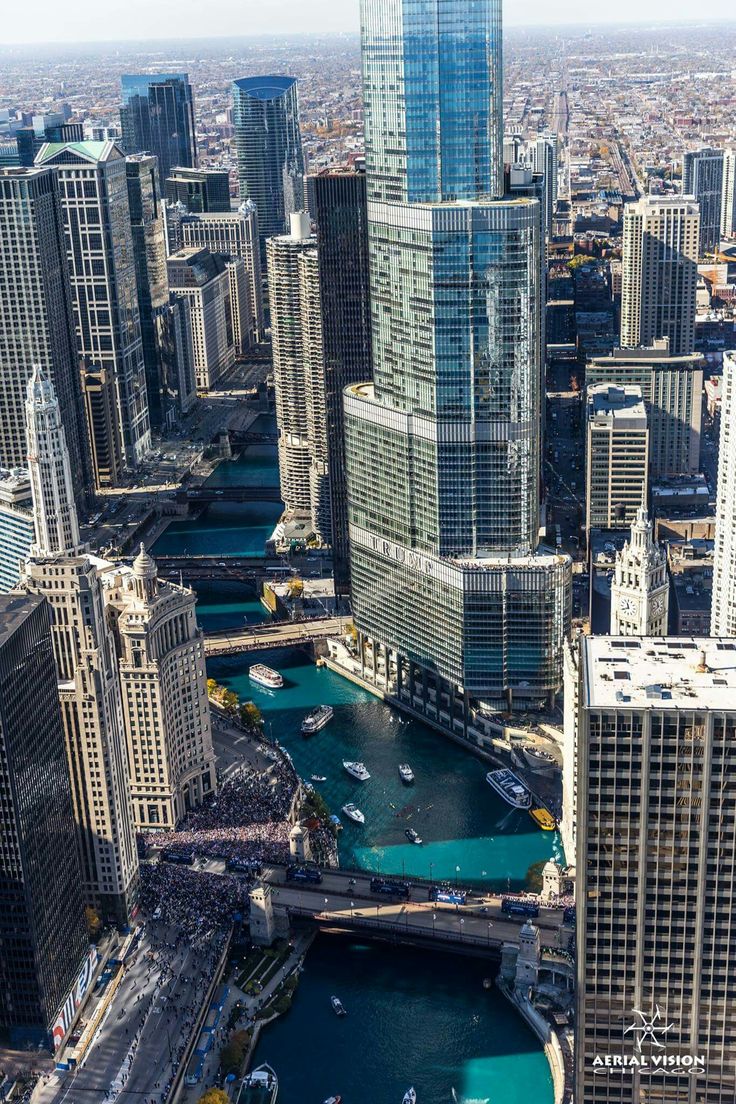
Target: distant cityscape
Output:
{"points": [[368, 565]]}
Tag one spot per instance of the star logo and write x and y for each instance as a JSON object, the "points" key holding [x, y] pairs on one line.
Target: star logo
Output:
{"points": [[648, 1029]]}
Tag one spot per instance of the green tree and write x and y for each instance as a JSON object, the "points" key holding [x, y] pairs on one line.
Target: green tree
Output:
{"points": [[233, 1053], [214, 1096], [250, 715], [94, 923]]}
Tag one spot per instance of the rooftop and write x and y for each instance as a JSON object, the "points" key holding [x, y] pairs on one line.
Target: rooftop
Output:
{"points": [[611, 404], [14, 610], [659, 673]]}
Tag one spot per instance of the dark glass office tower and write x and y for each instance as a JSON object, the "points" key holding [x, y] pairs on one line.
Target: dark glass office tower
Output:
{"points": [[42, 924], [702, 177], [157, 116], [202, 191], [30, 139], [338, 206], [268, 149]]}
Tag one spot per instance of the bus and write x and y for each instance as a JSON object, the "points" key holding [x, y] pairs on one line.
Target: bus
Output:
{"points": [[513, 907], [243, 866], [446, 895], [303, 874], [181, 855], [387, 888]]}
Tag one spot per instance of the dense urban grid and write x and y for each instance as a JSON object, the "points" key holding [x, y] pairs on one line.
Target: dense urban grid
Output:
{"points": [[477, 290]]}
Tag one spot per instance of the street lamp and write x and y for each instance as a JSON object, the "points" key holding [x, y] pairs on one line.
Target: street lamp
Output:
{"points": [[352, 906], [462, 922], [431, 868], [457, 874], [434, 918], [490, 925]]}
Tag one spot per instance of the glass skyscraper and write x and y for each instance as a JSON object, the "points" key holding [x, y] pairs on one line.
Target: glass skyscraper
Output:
{"points": [[450, 590], [157, 116], [268, 150]]}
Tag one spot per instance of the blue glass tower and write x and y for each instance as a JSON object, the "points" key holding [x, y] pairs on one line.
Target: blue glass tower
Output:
{"points": [[453, 599], [157, 116]]}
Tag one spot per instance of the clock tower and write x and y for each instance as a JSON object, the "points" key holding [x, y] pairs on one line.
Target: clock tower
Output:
{"points": [[640, 588]]}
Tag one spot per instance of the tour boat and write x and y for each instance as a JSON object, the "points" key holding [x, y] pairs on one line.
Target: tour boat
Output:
{"points": [[538, 759], [510, 788], [543, 819], [260, 1087], [265, 676], [317, 720], [356, 770], [353, 812], [412, 836], [410, 1097], [406, 773], [338, 1006], [318, 777]]}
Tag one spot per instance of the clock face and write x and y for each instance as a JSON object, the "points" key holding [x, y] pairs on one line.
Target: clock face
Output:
{"points": [[658, 606], [627, 606]]}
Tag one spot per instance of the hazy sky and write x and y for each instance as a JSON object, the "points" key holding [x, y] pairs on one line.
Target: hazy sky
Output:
{"points": [[115, 20]]}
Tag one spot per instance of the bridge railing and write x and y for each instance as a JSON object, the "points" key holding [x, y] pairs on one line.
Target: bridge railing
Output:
{"points": [[406, 929]]}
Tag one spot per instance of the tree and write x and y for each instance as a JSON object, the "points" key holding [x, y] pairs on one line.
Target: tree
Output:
{"points": [[233, 1053], [94, 923], [250, 715], [211, 687], [214, 1096]]}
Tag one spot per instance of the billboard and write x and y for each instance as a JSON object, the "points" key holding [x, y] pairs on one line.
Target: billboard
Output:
{"points": [[76, 995]]}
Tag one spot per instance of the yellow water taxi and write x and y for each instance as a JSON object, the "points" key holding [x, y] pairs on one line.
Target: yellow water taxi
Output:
{"points": [[543, 819]]}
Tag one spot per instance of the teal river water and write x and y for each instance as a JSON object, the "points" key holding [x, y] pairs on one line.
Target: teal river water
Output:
{"points": [[413, 1018]]}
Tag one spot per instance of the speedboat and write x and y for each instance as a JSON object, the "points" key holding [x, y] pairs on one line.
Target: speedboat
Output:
{"points": [[265, 676], [412, 836], [335, 822], [410, 1097], [406, 773], [259, 1087], [318, 777], [510, 788], [544, 819], [356, 770], [353, 812], [338, 1006], [313, 722], [333, 1100]]}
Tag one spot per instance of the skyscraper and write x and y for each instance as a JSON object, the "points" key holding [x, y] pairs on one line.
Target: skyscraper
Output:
{"points": [[157, 116], [723, 609], [450, 593], [655, 858], [728, 195], [204, 279], [640, 587], [268, 150], [338, 206], [99, 241], [36, 320], [702, 177], [200, 190], [42, 924], [149, 249], [660, 272], [87, 679], [544, 160], [616, 456]]}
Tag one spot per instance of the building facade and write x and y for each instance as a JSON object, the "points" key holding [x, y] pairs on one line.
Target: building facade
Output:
{"points": [[200, 190], [339, 208], [660, 272], [99, 239], [655, 851], [728, 195], [36, 319], [640, 587], [87, 680], [203, 279], [157, 116], [443, 447], [16, 526], [702, 178], [164, 687], [723, 608], [672, 389], [268, 150], [616, 456], [42, 923]]}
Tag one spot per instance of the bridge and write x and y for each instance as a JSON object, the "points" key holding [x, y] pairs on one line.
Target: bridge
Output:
{"points": [[248, 568], [277, 634], [206, 494], [251, 437]]}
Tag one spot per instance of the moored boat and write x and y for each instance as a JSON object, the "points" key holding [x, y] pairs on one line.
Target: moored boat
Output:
{"points": [[265, 676], [356, 770], [313, 722], [352, 811], [538, 759], [412, 836], [338, 1006], [410, 1096], [510, 788], [318, 777], [406, 773], [544, 819], [259, 1087], [333, 1100]]}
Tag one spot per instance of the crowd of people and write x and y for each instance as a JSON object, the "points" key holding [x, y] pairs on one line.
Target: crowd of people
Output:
{"points": [[201, 905]]}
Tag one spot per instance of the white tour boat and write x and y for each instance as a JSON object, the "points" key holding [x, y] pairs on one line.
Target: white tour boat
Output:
{"points": [[356, 770], [265, 676], [352, 811], [510, 788]]}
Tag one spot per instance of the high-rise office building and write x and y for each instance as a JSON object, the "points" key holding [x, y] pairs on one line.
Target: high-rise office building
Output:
{"points": [[616, 456], [42, 923], [298, 370], [451, 594], [655, 858], [36, 319], [268, 150], [46, 128], [544, 158], [728, 194], [200, 190], [16, 526], [203, 278], [99, 239], [640, 587], [723, 607], [233, 234], [672, 388], [702, 178], [338, 206], [149, 248], [175, 343], [660, 272], [164, 687], [87, 679], [157, 116]]}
